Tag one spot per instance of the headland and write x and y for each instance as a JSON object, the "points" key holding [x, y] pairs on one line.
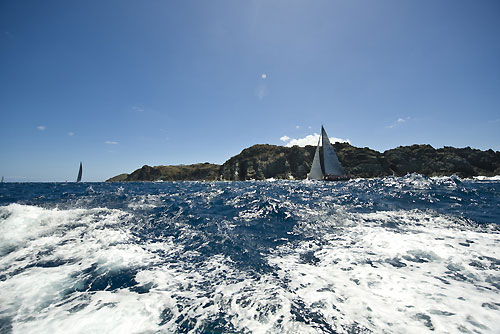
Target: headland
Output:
{"points": [[263, 161]]}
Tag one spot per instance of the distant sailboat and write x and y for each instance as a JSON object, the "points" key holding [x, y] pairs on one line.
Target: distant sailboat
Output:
{"points": [[79, 178], [2, 179], [330, 168]]}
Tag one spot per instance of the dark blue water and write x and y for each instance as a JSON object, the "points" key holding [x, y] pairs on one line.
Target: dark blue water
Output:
{"points": [[400, 255]]}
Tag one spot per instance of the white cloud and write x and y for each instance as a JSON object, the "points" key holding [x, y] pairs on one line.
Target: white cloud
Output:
{"points": [[311, 140], [307, 140], [297, 126], [398, 122], [285, 138], [70, 134], [263, 76], [41, 127], [339, 140], [138, 109], [111, 142]]}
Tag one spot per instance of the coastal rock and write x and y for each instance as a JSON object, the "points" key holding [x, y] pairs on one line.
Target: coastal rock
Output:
{"points": [[425, 160], [118, 178], [195, 172], [145, 173], [361, 162], [262, 161]]}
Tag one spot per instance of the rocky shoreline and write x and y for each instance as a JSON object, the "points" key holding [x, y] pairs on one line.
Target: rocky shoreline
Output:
{"points": [[262, 161]]}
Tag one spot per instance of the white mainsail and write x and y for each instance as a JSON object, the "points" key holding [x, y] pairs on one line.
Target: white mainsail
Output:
{"points": [[330, 160], [331, 169]]}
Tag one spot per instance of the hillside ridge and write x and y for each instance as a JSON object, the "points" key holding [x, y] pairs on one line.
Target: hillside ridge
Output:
{"points": [[264, 161]]}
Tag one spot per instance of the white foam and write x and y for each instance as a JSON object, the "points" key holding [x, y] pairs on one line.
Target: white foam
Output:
{"points": [[146, 202], [387, 272], [99, 312], [487, 178], [354, 280], [75, 240], [23, 223]]}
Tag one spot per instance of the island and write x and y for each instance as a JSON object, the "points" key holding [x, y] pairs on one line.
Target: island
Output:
{"points": [[263, 161]]}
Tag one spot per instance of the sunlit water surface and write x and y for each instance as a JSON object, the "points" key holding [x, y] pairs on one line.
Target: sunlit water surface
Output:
{"points": [[392, 255]]}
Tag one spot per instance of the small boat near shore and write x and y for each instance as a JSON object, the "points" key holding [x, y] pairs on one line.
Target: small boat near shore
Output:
{"points": [[326, 165]]}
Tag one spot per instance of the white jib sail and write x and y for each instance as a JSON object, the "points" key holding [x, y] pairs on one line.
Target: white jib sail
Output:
{"points": [[316, 173]]}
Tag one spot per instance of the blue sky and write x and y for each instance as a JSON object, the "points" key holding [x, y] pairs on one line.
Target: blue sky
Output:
{"points": [[120, 84]]}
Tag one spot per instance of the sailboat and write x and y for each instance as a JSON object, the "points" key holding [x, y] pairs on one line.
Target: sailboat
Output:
{"points": [[326, 167], [79, 178]]}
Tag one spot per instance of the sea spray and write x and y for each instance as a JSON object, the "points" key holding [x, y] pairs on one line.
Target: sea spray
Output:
{"points": [[394, 255]]}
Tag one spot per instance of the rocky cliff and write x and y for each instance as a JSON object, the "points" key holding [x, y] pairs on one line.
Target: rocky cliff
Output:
{"points": [[260, 162], [196, 172], [425, 160]]}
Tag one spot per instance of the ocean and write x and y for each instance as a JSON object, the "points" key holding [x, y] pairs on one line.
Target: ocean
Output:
{"points": [[387, 255]]}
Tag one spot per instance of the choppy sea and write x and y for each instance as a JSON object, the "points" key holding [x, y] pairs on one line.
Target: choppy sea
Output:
{"points": [[389, 255]]}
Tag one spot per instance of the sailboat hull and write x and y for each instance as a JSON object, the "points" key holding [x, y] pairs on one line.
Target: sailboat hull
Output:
{"points": [[336, 178]]}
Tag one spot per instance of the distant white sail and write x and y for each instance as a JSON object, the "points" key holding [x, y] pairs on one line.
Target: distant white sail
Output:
{"points": [[330, 160], [316, 173]]}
